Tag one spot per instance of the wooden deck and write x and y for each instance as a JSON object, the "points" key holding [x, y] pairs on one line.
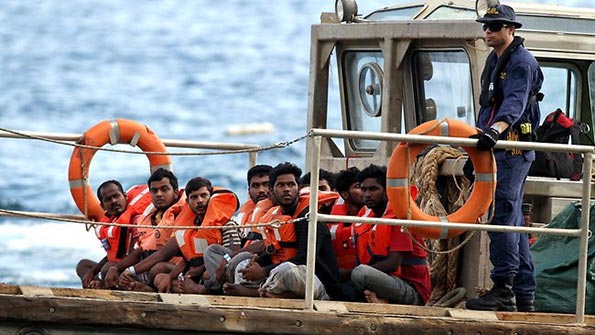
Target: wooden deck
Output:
{"points": [[43, 310]]}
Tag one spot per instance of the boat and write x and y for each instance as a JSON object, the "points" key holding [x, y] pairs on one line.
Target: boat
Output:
{"points": [[386, 89]]}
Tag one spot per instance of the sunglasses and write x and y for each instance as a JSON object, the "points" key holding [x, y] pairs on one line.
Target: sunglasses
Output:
{"points": [[494, 27]]}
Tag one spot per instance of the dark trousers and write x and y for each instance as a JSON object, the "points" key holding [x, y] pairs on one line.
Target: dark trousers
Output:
{"points": [[509, 252]]}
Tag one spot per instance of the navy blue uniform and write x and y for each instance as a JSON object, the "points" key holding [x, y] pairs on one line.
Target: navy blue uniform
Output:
{"points": [[514, 102]]}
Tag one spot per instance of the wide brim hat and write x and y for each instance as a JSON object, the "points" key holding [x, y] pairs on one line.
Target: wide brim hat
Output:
{"points": [[500, 13]]}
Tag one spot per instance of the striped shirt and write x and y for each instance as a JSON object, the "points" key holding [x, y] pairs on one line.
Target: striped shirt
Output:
{"points": [[231, 235]]}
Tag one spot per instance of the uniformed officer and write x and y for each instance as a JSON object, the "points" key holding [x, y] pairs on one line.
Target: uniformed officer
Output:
{"points": [[511, 81]]}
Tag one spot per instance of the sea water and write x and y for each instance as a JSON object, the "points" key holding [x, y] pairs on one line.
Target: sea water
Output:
{"points": [[187, 69]]}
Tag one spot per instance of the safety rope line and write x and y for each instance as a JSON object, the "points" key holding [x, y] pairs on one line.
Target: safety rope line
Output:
{"points": [[437, 252], [274, 223], [278, 145]]}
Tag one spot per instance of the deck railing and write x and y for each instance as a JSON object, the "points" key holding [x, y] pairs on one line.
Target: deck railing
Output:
{"points": [[582, 233], [314, 141]]}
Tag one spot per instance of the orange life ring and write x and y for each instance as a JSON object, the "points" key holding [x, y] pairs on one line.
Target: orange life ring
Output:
{"points": [[114, 132], [398, 188]]}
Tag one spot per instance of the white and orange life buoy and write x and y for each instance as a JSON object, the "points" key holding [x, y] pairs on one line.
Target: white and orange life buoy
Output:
{"points": [[119, 131], [398, 188]]}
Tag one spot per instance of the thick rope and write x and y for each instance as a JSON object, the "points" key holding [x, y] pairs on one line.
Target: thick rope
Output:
{"points": [[278, 145], [274, 223], [443, 257]]}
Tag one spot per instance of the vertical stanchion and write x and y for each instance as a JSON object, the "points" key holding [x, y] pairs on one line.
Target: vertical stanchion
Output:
{"points": [[584, 239], [314, 143], [252, 156]]}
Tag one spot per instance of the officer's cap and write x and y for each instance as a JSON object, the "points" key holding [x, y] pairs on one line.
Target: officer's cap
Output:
{"points": [[500, 13]]}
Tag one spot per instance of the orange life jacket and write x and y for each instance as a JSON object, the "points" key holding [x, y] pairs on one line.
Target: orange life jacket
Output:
{"points": [[245, 214], [341, 237], [156, 238], [193, 242], [372, 241], [259, 210], [281, 243], [117, 240]]}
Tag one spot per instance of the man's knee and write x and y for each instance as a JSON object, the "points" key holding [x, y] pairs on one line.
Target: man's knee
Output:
{"points": [[360, 274]]}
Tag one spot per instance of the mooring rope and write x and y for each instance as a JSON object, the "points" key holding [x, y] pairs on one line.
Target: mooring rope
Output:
{"points": [[274, 223], [278, 145]]}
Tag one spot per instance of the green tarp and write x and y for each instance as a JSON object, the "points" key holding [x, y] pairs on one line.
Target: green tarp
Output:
{"points": [[556, 265]]}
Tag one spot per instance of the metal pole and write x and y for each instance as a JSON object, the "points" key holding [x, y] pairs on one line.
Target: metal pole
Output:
{"points": [[584, 239], [252, 156], [314, 143]]}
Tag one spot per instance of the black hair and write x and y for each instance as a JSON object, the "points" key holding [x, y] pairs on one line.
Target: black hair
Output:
{"points": [[107, 182], [162, 173], [284, 168], [373, 171], [345, 178], [196, 183], [258, 170], [322, 175]]}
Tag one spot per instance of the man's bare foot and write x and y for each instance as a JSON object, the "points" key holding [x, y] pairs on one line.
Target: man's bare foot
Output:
{"points": [[285, 295], [373, 298], [96, 284], [239, 290], [140, 287], [189, 286]]}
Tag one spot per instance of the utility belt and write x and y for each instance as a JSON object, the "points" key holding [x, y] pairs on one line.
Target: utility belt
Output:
{"points": [[522, 132]]}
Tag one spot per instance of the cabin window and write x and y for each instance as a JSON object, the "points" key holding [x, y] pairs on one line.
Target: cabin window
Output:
{"points": [[363, 76], [560, 81], [592, 90], [443, 86], [395, 14]]}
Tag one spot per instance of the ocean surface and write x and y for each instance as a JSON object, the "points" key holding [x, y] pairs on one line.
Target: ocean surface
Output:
{"points": [[187, 69]]}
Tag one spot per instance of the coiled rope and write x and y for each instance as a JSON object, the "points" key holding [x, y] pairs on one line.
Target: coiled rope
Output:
{"points": [[443, 254]]}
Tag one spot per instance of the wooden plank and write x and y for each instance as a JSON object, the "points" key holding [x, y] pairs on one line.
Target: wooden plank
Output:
{"points": [[545, 318], [148, 317], [187, 299], [396, 309], [37, 291], [9, 289], [472, 315], [330, 306], [223, 300]]}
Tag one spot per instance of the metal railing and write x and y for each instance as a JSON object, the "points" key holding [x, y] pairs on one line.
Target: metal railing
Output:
{"points": [[582, 233]]}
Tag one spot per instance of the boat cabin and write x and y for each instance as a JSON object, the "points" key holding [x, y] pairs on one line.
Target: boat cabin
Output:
{"points": [[399, 66]]}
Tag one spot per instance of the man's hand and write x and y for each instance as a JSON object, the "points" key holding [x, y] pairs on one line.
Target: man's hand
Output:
{"points": [[111, 277], [487, 140], [162, 282], [253, 272], [88, 278]]}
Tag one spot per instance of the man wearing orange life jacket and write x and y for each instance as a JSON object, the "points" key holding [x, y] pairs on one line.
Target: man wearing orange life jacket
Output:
{"points": [[393, 266], [258, 189], [288, 243], [349, 204], [167, 203], [120, 207], [206, 206], [216, 256]]}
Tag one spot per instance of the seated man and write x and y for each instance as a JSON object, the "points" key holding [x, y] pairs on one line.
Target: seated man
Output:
{"points": [[167, 203], [393, 266], [350, 203], [120, 207], [288, 243], [206, 207], [326, 180], [218, 256]]}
